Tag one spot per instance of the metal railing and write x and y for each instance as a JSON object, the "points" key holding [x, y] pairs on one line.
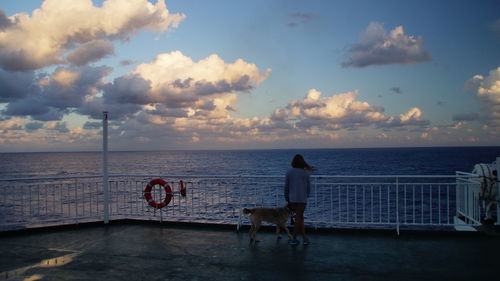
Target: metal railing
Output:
{"points": [[469, 209], [410, 202]]}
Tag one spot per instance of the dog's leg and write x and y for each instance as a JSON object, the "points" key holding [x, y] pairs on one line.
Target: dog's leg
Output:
{"points": [[278, 234], [256, 226], [287, 231], [251, 233]]}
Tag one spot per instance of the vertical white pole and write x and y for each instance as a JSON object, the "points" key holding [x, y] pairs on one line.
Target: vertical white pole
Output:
{"points": [[498, 190], [105, 182], [397, 205]]}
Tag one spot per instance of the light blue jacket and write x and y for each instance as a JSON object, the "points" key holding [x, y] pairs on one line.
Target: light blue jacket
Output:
{"points": [[297, 185]]}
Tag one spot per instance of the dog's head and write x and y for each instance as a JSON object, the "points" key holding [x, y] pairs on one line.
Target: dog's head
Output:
{"points": [[289, 208]]}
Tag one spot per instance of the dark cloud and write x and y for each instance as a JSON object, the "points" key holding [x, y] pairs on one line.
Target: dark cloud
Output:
{"points": [[59, 127], [92, 125], [33, 126], [186, 83], [35, 108], [131, 89], [127, 62], [396, 90], [466, 117], [298, 18], [204, 88], [90, 52], [441, 103], [86, 81], [378, 47], [52, 114], [17, 85], [20, 60], [32, 105], [4, 20], [161, 109], [65, 90], [398, 122], [94, 108]]}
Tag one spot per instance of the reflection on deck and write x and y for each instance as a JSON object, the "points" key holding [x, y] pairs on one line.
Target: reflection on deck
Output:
{"points": [[57, 261]]}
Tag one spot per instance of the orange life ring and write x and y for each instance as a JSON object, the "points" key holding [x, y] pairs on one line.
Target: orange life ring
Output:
{"points": [[149, 198], [183, 188]]}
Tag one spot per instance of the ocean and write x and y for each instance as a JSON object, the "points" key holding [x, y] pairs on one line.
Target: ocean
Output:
{"points": [[218, 187], [359, 161]]}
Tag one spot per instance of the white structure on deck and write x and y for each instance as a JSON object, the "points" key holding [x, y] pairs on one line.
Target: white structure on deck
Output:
{"points": [[477, 193]]}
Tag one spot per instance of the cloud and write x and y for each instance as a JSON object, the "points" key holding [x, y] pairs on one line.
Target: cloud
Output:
{"points": [[314, 119], [342, 111], [127, 62], [50, 97], [376, 46], [90, 52], [94, 106], [60, 127], [298, 18], [487, 90], [92, 125], [466, 117], [34, 107], [70, 87], [396, 90], [17, 85], [441, 103], [4, 21], [205, 88], [11, 124], [78, 27], [33, 126], [413, 117]]}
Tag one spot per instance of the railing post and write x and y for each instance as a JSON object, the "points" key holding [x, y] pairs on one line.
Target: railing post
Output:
{"points": [[238, 226], [498, 191], [105, 182], [397, 204]]}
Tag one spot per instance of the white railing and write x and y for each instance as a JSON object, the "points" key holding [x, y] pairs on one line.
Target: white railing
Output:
{"points": [[468, 203], [411, 202]]}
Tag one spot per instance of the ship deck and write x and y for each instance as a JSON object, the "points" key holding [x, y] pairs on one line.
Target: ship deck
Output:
{"points": [[132, 250]]}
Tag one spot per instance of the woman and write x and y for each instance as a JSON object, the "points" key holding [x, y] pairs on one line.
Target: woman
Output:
{"points": [[297, 189]]}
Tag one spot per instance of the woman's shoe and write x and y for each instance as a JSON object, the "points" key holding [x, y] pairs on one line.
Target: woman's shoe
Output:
{"points": [[293, 242], [306, 242]]}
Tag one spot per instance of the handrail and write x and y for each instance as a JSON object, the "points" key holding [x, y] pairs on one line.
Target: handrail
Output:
{"points": [[235, 176]]}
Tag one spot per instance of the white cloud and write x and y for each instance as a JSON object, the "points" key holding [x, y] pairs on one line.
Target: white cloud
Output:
{"points": [[487, 91], [413, 117], [336, 111], [376, 46], [42, 39], [205, 89]]}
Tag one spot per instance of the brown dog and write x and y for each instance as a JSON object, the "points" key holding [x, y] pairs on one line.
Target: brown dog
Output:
{"points": [[278, 216]]}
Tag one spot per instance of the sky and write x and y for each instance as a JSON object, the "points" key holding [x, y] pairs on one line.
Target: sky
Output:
{"points": [[262, 74]]}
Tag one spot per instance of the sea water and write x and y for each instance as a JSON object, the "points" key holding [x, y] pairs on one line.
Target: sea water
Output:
{"points": [[362, 161], [335, 162]]}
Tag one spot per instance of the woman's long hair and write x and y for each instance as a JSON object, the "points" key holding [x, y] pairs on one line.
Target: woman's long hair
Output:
{"points": [[299, 162]]}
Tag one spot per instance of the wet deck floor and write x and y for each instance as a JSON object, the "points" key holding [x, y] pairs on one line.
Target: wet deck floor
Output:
{"points": [[139, 251]]}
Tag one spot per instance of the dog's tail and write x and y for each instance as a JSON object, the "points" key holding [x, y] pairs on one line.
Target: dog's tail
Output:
{"points": [[248, 211]]}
